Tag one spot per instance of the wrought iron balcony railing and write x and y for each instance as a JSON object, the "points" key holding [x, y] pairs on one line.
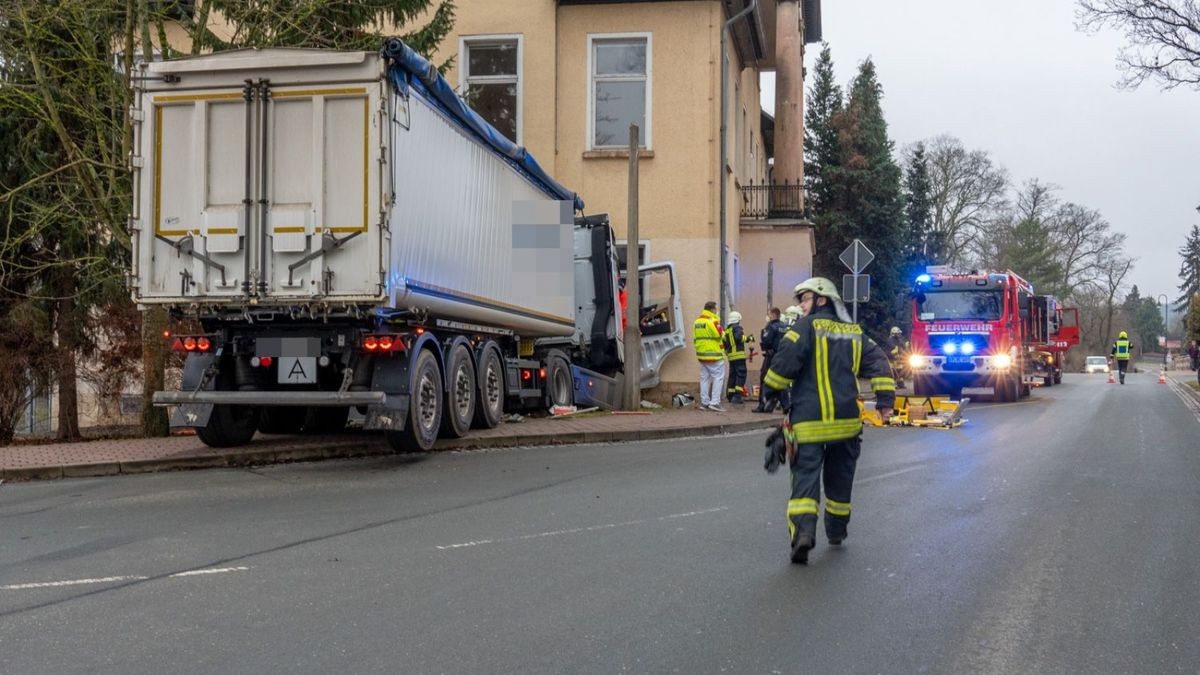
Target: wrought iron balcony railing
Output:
{"points": [[773, 200]]}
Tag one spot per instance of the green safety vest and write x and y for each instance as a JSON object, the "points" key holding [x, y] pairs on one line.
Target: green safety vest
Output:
{"points": [[707, 334], [1121, 346]]}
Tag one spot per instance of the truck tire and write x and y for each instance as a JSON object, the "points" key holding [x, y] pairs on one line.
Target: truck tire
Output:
{"points": [[920, 386], [281, 419], [489, 406], [560, 384], [1007, 388], [326, 420], [1058, 377], [229, 426], [462, 392], [424, 407]]}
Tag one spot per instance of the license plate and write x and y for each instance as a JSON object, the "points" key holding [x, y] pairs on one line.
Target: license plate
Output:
{"points": [[297, 369], [958, 359]]}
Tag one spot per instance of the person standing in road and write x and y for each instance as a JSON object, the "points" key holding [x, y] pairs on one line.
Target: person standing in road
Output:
{"points": [[820, 360], [896, 350], [1122, 349], [707, 333], [769, 342], [733, 341]]}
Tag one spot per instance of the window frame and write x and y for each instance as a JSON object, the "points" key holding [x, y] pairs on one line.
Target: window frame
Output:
{"points": [[464, 68], [590, 130]]}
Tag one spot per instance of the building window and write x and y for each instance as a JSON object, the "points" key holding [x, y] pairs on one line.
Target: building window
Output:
{"points": [[490, 80], [619, 91]]}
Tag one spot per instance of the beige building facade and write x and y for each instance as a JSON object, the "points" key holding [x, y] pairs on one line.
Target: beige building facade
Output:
{"points": [[567, 77]]}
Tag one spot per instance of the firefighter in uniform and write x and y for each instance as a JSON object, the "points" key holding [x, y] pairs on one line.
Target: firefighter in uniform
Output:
{"points": [[1122, 349], [820, 360], [734, 344], [769, 341], [896, 349]]}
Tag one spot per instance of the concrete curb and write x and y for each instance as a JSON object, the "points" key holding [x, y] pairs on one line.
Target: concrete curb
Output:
{"points": [[371, 446]]}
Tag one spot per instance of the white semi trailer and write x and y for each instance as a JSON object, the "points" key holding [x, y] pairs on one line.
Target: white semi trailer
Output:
{"points": [[350, 234]]}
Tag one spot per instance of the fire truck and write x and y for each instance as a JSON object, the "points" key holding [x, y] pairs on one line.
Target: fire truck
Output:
{"points": [[1064, 334], [982, 330]]}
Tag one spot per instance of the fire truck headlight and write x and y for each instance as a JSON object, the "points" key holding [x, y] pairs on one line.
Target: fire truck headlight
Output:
{"points": [[916, 361], [1002, 360]]}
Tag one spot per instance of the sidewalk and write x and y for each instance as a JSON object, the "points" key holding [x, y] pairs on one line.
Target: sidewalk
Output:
{"points": [[144, 455]]}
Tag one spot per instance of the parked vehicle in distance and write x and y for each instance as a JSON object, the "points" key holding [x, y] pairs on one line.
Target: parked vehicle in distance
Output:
{"points": [[1096, 364]]}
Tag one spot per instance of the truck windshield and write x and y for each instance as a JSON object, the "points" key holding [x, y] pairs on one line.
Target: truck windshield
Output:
{"points": [[957, 305]]}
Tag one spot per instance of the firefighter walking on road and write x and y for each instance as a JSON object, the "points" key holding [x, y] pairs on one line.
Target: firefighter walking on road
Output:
{"points": [[820, 360], [1122, 349]]}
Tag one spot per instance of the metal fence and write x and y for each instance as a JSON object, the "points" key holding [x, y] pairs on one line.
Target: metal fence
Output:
{"points": [[773, 200]]}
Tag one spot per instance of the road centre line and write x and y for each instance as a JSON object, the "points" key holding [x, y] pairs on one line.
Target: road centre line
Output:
{"points": [[110, 580], [577, 530]]}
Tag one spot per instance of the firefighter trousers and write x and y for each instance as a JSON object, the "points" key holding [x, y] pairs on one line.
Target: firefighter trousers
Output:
{"points": [[832, 463], [737, 380]]}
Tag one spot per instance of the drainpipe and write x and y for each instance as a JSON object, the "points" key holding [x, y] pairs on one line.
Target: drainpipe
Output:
{"points": [[725, 149]]}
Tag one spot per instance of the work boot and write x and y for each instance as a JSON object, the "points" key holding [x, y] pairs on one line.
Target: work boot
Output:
{"points": [[801, 545], [737, 399], [835, 540], [759, 409]]}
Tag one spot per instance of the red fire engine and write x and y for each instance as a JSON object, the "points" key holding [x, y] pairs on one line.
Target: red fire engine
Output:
{"points": [[983, 330]]}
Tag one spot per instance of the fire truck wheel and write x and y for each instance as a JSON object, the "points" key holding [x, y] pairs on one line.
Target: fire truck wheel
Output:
{"points": [[281, 419]]}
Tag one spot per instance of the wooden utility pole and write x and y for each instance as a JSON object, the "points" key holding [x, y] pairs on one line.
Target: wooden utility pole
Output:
{"points": [[633, 262]]}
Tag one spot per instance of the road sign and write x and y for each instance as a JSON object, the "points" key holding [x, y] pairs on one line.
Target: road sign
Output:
{"points": [[856, 287], [856, 256]]}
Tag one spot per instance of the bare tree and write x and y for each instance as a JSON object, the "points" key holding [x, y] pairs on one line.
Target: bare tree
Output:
{"points": [[1163, 38], [1115, 269], [966, 190], [1085, 242]]}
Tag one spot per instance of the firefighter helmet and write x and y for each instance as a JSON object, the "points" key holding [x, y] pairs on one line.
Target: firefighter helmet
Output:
{"points": [[896, 330], [793, 312], [820, 286], [734, 317], [1123, 334]]}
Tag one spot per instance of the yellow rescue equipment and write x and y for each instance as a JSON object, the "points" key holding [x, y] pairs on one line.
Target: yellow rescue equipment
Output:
{"points": [[936, 412]]}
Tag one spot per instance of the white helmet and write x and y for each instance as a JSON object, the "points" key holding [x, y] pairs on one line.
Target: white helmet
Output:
{"points": [[734, 317], [792, 313], [825, 288]]}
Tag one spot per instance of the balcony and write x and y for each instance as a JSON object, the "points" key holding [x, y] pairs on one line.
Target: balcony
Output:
{"points": [[773, 200]]}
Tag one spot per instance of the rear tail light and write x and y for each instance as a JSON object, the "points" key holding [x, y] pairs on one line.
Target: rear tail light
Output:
{"points": [[382, 343], [262, 361], [192, 343]]}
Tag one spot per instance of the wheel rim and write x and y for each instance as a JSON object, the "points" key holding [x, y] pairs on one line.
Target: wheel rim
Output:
{"points": [[462, 391], [562, 386], [492, 387], [427, 395]]}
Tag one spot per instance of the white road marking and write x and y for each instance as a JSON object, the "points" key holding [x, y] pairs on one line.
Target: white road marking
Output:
{"points": [[889, 474], [577, 530], [111, 580], [1181, 392]]}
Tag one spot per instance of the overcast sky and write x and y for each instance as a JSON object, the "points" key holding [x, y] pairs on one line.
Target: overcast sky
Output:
{"points": [[1016, 79]]}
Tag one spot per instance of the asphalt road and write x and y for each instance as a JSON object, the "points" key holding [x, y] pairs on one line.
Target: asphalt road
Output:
{"points": [[1056, 535]]}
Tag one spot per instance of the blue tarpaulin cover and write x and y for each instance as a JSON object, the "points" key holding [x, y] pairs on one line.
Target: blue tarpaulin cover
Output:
{"points": [[410, 69]]}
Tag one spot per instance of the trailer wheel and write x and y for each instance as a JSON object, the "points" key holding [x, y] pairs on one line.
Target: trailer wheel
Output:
{"points": [[560, 384], [424, 407], [461, 393], [489, 407], [326, 420], [281, 419], [229, 426]]}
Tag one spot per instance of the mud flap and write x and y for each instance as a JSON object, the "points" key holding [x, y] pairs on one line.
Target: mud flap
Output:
{"points": [[191, 415], [389, 416]]}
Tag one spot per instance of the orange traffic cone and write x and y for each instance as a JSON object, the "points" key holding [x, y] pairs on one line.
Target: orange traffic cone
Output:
{"points": [[1162, 377], [1111, 380]]}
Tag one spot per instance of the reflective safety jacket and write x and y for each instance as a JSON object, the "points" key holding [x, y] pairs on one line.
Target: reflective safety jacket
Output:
{"points": [[734, 342], [820, 360], [1121, 349], [707, 334], [897, 346]]}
